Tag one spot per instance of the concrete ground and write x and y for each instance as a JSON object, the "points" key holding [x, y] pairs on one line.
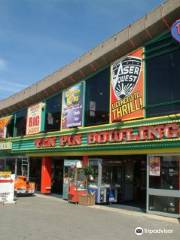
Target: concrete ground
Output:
{"points": [[51, 218]]}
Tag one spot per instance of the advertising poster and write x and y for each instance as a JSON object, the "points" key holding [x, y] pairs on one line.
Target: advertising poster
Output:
{"points": [[34, 117], [3, 123], [127, 87], [7, 187], [154, 166], [72, 106]]}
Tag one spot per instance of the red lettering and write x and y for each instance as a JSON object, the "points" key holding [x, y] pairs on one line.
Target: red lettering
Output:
{"points": [[171, 130], [91, 138], [38, 142], [45, 142], [156, 132], [143, 133], [70, 140], [30, 121], [130, 136]]}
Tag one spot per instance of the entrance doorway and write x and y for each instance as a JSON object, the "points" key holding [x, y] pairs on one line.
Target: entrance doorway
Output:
{"points": [[35, 172], [57, 176], [127, 175]]}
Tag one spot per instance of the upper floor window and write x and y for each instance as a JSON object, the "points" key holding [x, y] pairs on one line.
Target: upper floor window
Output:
{"points": [[163, 76], [53, 113], [20, 123], [10, 128], [97, 98]]}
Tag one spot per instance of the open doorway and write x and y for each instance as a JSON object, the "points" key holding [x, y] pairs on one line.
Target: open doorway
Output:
{"points": [[127, 176], [35, 172], [57, 176]]}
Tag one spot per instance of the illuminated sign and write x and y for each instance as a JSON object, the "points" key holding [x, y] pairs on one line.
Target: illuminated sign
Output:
{"points": [[175, 30], [127, 87], [144, 133]]}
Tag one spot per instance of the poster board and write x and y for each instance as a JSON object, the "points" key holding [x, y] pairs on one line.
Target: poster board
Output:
{"points": [[154, 166], [72, 106], [7, 187], [127, 87], [34, 119]]}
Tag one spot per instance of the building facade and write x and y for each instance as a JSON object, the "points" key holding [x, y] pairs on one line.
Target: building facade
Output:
{"points": [[116, 108]]}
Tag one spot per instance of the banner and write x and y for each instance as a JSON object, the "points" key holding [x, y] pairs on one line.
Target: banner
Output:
{"points": [[34, 118], [154, 166], [3, 123], [127, 87], [72, 106]]}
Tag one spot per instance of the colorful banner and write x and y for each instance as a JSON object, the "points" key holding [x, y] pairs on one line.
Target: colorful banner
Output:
{"points": [[34, 117], [72, 106], [154, 166], [3, 123], [127, 87]]}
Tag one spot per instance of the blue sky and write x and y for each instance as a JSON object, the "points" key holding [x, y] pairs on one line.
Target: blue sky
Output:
{"points": [[37, 37]]}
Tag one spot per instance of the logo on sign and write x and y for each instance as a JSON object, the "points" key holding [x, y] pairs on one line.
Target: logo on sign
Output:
{"points": [[125, 74], [175, 30]]}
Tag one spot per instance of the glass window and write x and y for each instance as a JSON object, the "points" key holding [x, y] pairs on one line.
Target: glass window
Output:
{"points": [[162, 77], [20, 123], [53, 113], [97, 98], [164, 172], [164, 204], [10, 128]]}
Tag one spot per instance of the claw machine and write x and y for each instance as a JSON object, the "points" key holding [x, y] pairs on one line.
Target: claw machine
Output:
{"points": [[105, 189], [73, 181]]}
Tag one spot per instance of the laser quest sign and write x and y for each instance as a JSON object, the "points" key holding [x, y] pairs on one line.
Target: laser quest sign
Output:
{"points": [[127, 87]]}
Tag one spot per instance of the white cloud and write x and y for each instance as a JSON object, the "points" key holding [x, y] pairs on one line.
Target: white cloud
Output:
{"points": [[3, 64], [11, 86]]}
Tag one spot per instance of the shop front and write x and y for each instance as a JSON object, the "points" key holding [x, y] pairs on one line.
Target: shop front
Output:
{"points": [[136, 164], [110, 128]]}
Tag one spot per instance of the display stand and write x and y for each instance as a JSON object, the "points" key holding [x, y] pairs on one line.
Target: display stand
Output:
{"points": [[7, 187]]}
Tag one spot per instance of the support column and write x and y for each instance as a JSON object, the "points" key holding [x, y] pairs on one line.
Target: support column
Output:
{"points": [[46, 172], [85, 161]]}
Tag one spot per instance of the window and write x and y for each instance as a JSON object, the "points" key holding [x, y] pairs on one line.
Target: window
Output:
{"points": [[164, 204], [162, 76], [165, 174], [20, 123], [10, 128], [97, 98], [53, 113]]}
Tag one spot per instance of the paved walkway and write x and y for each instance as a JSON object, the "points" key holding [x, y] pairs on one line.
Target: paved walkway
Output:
{"points": [[49, 218]]}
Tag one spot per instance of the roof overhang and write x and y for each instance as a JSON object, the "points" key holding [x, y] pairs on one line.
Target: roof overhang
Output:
{"points": [[130, 38]]}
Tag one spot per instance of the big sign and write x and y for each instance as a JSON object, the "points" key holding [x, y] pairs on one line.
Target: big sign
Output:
{"points": [[127, 87], [34, 116]]}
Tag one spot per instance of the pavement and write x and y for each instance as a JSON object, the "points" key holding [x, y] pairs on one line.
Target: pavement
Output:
{"points": [[51, 218]]}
